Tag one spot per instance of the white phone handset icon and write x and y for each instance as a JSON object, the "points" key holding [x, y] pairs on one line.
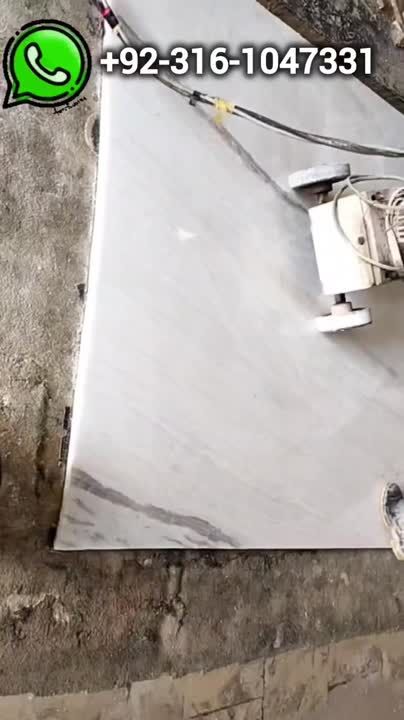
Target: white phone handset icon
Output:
{"points": [[56, 77]]}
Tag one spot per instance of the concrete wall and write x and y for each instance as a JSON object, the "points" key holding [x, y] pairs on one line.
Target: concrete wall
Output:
{"points": [[92, 621]]}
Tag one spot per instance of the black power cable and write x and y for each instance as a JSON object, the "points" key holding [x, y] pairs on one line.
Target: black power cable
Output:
{"points": [[128, 36]]}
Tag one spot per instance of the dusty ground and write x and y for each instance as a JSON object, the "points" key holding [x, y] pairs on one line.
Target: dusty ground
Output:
{"points": [[48, 169], [96, 621], [70, 622], [356, 678]]}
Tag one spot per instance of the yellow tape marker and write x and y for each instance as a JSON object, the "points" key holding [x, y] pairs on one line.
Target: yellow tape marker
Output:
{"points": [[222, 107]]}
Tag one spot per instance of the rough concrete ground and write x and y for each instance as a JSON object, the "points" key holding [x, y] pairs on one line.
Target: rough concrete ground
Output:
{"points": [[357, 678], [48, 170], [89, 621], [72, 622]]}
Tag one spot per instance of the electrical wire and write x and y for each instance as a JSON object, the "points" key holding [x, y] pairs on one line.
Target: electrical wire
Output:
{"points": [[396, 200], [129, 37], [390, 210], [334, 142]]}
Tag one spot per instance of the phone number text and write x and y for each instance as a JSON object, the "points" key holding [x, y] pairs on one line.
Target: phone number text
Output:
{"points": [[252, 60]]}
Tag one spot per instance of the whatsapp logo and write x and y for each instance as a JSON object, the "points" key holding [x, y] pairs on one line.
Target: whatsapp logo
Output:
{"points": [[47, 63]]}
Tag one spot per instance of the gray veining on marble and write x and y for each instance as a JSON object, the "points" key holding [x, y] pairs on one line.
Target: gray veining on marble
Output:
{"points": [[208, 410]]}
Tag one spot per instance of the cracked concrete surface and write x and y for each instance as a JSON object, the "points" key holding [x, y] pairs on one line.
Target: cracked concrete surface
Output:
{"points": [[46, 205], [363, 678], [93, 621]]}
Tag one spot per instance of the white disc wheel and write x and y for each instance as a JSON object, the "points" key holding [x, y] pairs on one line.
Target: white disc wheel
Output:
{"points": [[343, 317]]}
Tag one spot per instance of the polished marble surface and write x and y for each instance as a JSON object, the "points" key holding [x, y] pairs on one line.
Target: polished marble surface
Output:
{"points": [[208, 410]]}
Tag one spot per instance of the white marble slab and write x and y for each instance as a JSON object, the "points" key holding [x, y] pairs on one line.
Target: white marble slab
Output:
{"points": [[208, 411]]}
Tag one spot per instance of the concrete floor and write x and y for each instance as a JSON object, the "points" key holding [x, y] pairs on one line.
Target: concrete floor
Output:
{"points": [[365, 701], [361, 678], [95, 621], [48, 166]]}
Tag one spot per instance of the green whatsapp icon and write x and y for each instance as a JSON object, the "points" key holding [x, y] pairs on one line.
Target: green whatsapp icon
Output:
{"points": [[47, 63]]}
